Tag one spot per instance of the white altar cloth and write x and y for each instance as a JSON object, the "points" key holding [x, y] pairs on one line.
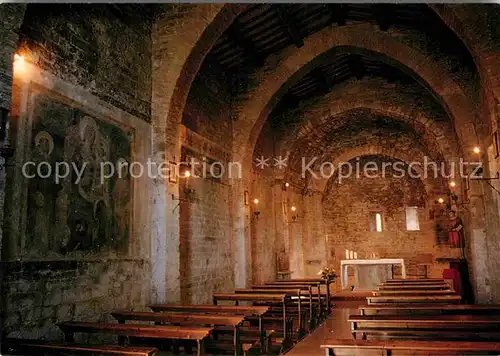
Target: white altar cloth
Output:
{"points": [[344, 264]]}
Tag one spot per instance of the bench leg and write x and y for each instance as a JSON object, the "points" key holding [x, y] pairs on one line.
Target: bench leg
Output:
{"points": [[236, 341], [263, 348], [122, 340], [69, 337], [353, 328], [175, 346], [199, 347]]}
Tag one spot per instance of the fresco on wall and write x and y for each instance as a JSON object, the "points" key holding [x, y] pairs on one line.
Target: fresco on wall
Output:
{"points": [[78, 213]]}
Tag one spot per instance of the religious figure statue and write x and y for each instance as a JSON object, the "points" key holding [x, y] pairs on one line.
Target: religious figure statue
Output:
{"points": [[455, 230]]}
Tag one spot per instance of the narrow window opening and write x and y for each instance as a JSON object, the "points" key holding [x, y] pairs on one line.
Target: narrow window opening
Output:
{"points": [[376, 222], [412, 219]]}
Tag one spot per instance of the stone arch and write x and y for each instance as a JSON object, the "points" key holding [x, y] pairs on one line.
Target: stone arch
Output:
{"points": [[367, 37], [476, 39], [379, 150], [182, 37], [181, 42], [377, 99]]}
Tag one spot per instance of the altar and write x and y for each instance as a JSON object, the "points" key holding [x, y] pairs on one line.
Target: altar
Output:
{"points": [[344, 265]]}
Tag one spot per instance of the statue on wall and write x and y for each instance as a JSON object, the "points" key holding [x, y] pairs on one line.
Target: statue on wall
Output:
{"points": [[455, 230]]}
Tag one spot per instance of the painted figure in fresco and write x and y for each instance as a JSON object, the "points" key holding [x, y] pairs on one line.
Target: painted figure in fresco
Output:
{"points": [[455, 230], [101, 231], [76, 215], [121, 201], [63, 232], [44, 145], [94, 151], [80, 238]]}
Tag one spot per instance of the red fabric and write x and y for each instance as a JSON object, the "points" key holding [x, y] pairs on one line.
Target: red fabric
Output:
{"points": [[454, 238], [454, 275]]}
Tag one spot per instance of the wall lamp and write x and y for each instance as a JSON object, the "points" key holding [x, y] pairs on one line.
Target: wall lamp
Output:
{"points": [[293, 208], [256, 212]]}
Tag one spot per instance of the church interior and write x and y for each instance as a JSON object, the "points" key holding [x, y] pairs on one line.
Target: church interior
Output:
{"points": [[250, 179]]}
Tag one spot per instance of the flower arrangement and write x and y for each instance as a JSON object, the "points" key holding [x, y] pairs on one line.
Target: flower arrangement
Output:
{"points": [[327, 274]]}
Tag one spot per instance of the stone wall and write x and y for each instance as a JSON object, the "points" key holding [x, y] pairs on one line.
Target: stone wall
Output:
{"points": [[347, 208], [85, 270], [103, 48], [206, 250], [40, 294]]}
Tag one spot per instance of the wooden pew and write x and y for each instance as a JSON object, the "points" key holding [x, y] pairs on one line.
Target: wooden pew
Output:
{"points": [[137, 330], [281, 299], [414, 280], [413, 292], [321, 281], [345, 347], [394, 285], [414, 287], [212, 309], [423, 299], [429, 309], [247, 311], [290, 293], [187, 319], [317, 297], [427, 326], [39, 347], [308, 289], [414, 283]]}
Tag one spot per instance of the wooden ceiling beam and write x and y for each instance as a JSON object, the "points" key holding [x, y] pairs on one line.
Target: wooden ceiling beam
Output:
{"points": [[235, 34], [339, 13], [325, 81], [384, 15], [292, 30], [357, 67]]}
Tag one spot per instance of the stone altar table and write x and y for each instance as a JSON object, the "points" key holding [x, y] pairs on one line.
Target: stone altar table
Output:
{"points": [[344, 264]]}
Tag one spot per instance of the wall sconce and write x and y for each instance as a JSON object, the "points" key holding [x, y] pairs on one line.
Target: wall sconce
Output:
{"points": [[440, 200], [19, 63], [294, 213], [256, 212], [476, 149], [285, 186]]}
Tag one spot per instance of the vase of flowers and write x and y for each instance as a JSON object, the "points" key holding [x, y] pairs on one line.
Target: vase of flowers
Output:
{"points": [[328, 274]]}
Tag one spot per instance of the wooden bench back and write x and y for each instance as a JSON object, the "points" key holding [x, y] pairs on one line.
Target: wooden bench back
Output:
{"points": [[178, 318], [39, 347], [137, 330]]}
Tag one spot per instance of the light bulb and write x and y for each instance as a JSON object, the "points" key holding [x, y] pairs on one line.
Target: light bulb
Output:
{"points": [[293, 208], [477, 149], [287, 184], [441, 200], [256, 201]]}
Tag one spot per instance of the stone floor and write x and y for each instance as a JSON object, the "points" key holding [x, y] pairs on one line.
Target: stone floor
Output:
{"points": [[336, 323]]}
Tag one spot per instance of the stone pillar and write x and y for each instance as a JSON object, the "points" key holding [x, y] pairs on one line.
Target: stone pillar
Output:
{"points": [[241, 235], [282, 238], [314, 241]]}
